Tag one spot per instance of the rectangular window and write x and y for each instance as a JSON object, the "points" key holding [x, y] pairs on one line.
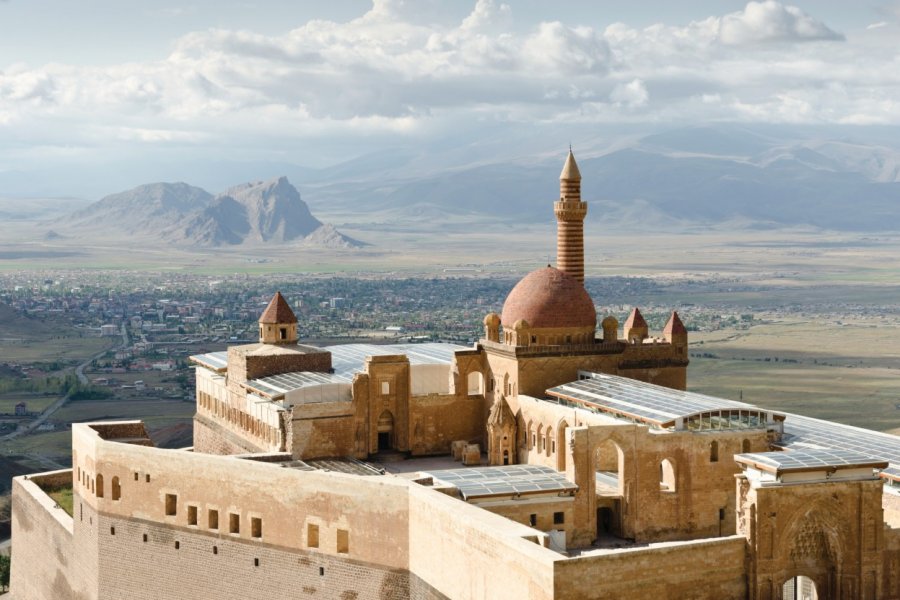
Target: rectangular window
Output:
{"points": [[385, 388], [532, 519], [256, 527], [343, 541], [559, 518], [312, 535], [148, 478], [213, 519], [171, 504], [234, 523], [192, 515]]}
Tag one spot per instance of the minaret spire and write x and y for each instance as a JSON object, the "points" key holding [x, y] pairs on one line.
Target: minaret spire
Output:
{"points": [[570, 212]]}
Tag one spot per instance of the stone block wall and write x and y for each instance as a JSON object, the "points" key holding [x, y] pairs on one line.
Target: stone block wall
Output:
{"points": [[701, 570]]}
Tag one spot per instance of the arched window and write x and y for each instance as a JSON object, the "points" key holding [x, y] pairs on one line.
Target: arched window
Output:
{"points": [[116, 489], [550, 444], [714, 452], [540, 438], [745, 446], [667, 476], [99, 485], [476, 383]]}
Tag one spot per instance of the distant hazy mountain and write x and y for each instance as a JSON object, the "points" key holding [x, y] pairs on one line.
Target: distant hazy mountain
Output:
{"points": [[263, 212], [697, 176]]}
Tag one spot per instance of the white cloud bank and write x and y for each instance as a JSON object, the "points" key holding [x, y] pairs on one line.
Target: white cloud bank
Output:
{"points": [[385, 73]]}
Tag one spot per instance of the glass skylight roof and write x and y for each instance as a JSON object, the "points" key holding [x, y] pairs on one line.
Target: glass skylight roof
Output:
{"points": [[661, 406], [476, 482], [217, 361], [807, 460], [275, 386], [347, 359]]}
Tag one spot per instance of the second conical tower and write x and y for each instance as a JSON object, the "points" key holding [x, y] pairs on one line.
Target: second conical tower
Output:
{"points": [[570, 212]]}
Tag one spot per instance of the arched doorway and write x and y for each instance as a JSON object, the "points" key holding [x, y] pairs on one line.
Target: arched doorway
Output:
{"points": [[799, 587], [385, 431]]}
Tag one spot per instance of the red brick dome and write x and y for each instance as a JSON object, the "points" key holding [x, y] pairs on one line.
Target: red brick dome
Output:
{"points": [[549, 298]]}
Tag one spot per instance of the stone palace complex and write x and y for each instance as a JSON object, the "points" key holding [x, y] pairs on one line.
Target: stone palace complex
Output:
{"points": [[554, 459]]}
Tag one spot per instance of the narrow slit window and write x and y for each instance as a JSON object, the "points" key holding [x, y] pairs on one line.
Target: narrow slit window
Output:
{"points": [[343, 541], [171, 505]]}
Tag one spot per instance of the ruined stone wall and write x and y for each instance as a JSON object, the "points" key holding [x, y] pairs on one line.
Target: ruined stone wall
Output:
{"points": [[701, 570], [436, 420], [702, 502], [323, 431]]}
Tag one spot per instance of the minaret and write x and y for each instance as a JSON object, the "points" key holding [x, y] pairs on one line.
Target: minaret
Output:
{"points": [[570, 212]]}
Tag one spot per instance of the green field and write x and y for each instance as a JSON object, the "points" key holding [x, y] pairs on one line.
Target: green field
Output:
{"points": [[35, 402]]}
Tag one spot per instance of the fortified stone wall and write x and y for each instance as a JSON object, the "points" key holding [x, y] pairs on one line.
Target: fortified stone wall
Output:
{"points": [[210, 437], [465, 552], [45, 562], [701, 570]]}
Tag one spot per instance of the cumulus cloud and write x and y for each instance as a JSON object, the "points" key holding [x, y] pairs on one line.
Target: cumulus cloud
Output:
{"points": [[771, 21], [395, 72]]}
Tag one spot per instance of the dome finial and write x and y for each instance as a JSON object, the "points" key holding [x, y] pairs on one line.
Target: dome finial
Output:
{"points": [[570, 170]]}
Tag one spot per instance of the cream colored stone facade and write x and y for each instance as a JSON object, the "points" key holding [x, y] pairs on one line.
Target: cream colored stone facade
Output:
{"points": [[680, 506]]}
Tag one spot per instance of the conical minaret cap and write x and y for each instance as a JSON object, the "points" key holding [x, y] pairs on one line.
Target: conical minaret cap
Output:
{"points": [[570, 170]]}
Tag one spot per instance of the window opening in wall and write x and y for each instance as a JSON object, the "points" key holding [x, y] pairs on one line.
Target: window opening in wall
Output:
{"points": [[80, 511], [171, 505], [667, 476], [256, 527], [255, 562], [714, 452], [148, 477], [559, 518], [135, 476], [177, 545], [116, 489], [321, 571], [215, 549], [99, 485], [213, 519], [532, 519], [745, 446], [385, 388], [145, 538], [312, 535], [721, 514], [234, 523], [112, 531], [192, 515], [343, 541]]}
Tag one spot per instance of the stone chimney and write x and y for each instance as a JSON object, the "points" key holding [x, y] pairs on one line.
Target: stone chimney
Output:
{"points": [[570, 212]]}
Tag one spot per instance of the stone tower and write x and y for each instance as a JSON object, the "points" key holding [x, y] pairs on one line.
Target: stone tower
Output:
{"points": [[278, 323], [570, 212]]}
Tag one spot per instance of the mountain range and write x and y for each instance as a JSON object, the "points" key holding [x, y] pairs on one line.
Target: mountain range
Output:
{"points": [[262, 212], [729, 175]]}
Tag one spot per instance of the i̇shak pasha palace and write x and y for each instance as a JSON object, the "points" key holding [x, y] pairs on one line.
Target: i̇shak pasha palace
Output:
{"points": [[558, 457]]}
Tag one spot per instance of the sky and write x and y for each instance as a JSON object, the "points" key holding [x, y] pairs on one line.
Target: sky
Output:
{"points": [[314, 83]]}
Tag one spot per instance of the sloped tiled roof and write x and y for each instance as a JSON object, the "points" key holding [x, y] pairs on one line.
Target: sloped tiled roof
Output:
{"points": [[278, 311]]}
